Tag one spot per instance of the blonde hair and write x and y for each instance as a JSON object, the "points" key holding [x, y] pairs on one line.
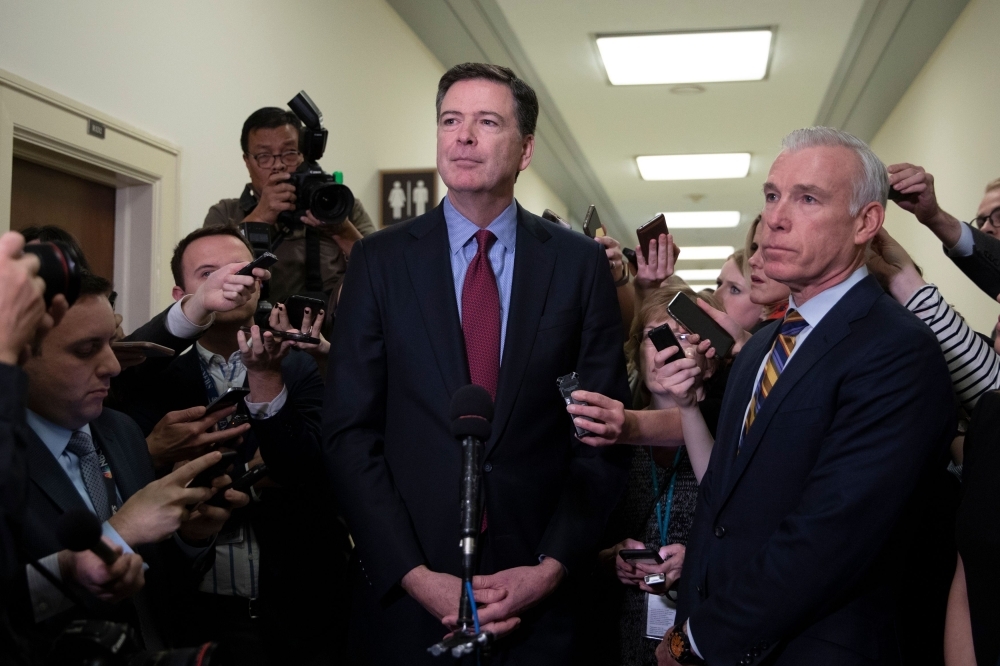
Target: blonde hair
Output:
{"points": [[748, 248]]}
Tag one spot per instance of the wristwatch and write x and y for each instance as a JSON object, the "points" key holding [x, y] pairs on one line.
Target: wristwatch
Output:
{"points": [[680, 647]]}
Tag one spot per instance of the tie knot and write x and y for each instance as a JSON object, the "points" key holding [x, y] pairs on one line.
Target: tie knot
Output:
{"points": [[793, 324], [485, 238], [80, 444]]}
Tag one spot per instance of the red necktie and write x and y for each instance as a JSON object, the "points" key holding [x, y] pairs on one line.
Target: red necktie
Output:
{"points": [[481, 316]]}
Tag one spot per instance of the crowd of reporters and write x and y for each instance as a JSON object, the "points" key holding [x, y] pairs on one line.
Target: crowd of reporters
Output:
{"points": [[123, 432]]}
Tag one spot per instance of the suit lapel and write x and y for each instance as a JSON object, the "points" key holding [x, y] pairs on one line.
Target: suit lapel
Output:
{"points": [[428, 263], [533, 266], [834, 327], [46, 473]]}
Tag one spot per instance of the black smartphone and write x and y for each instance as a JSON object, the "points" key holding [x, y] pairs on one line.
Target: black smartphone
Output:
{"points": [[227, 399], [241, 484], [650, 232], [662, 337], [295, 308], [567, 384], [640, 555], [149, 349], [265, 260], [687, 312], [204, 478], [552, 216], [630, 257], [284, 335], [592, 225]]}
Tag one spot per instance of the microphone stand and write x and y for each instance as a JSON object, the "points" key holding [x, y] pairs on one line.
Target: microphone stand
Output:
{"points": [[468, 638]]}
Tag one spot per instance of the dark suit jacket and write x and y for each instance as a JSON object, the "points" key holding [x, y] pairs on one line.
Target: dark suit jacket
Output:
{"points": [[400, 356], [791, 546], [304, 545], [983, 265], [51, 493]]}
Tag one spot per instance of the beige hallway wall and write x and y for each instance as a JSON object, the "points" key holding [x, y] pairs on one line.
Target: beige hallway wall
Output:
{"points": [[948, 123]]}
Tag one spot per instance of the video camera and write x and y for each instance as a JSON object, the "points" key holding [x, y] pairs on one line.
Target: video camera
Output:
{"points": [[97, 642]]}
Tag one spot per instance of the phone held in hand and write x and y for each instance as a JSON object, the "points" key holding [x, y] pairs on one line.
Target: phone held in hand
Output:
{"points": [[640, 555], [691, 317], [296, 305], [650, 232], [241, 484], [148, 349], [662, 337], [592, 225], [231, 397], [283, 335], [265, 260], [205, 478], [567, 384]]}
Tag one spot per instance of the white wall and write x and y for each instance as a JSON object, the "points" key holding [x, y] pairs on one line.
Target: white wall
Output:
{"points": [[947, 122]]}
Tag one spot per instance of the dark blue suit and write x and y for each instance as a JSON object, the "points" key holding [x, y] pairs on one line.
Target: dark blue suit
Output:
{"points": [[399, 356], [792, 546]]}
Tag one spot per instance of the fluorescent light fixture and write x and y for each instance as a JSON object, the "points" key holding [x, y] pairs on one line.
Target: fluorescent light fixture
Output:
{"points": [[699, 287], [704, 252], [694, 167], [692, 57], [699, 275], [708, 219]]}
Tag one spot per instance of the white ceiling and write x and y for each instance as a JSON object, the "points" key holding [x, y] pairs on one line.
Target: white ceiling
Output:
{"points": [[614, 124]]}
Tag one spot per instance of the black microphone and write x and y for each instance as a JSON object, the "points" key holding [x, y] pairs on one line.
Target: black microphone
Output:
{"points": [[80, 530], [472, 423]]}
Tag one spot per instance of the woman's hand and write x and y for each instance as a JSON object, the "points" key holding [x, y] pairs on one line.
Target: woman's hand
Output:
{"points": [[658, 266], [673, 562]]}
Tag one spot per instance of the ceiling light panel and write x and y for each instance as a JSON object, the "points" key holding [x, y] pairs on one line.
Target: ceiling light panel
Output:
{"points": [[708, 166], [693, 57], [699, 275], [707, 219], [705, 252]]}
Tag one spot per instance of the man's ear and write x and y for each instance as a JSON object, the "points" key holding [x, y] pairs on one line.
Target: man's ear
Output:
{"points": [[177, 292], [868, 222]]}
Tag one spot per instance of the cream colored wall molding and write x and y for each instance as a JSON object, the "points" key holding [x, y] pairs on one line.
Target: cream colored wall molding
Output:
{"points": [[45, 127]]}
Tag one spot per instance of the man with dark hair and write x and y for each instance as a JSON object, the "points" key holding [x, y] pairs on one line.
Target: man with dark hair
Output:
{"points": [[83, 456], [271, 152], [263, 581], [478, 291]]}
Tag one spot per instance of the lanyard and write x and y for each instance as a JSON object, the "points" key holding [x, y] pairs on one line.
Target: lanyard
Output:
{"points": [[663, 512]]}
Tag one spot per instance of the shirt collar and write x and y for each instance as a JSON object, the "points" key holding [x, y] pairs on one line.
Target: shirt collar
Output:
{"points": [[461, 229], [54, 437], [210, 357], [819, 305]]}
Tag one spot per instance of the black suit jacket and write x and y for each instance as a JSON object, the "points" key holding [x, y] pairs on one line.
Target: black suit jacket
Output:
{"points": [[791, 546], [399, 356], [983, 265], [51, 493]]}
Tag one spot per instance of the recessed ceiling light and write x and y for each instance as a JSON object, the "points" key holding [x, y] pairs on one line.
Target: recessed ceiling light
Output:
{"points": [[699, 275], [691, 57], [704, 252], [694, 167], [708, 219], [706, 285]]}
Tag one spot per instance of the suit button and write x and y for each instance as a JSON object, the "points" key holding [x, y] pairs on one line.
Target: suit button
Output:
{"points": [[720, 531], [488, 467]]}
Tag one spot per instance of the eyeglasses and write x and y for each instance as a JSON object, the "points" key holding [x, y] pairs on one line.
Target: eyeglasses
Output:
{"points": [[265, 160], [993, 219]]}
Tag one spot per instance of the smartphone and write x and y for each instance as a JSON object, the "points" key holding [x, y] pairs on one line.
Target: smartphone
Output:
{"points": [[650, 232], [204, 479], [227, 399], [592, 225], [650, 579], [687, 312], [150, 349], [552, 216], [630, 257], [265, 260], [295, 308], [662, 338], [640, 555], [241, 484], [567, 384], [284, 335]]}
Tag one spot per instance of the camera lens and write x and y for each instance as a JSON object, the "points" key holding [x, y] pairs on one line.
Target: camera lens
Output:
{"points": [[60, 268], [331, 202]]}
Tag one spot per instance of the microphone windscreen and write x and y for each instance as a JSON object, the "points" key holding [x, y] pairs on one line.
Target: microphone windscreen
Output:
{"points": [[78, 530], [472, 400], [471, 426]]}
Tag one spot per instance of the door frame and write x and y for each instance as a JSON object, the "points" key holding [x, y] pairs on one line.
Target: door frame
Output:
{"points": [[43, 126]]}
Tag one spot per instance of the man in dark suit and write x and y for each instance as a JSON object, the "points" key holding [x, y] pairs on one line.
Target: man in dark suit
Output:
{"points": [[477, 290], [82, 456], [974, 247], [264, 581], [830, 420]]}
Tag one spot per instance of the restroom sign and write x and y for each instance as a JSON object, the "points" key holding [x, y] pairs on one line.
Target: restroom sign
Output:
{"points": [[406, 194]]}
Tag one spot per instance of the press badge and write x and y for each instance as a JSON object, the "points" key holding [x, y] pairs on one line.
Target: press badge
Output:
{"points": [[660, 615]]}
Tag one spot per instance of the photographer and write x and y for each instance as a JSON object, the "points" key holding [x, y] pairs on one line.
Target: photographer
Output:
{"points": [[313, 255]]}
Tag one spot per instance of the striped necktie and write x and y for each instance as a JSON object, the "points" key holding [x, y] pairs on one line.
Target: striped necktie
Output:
{"points": [[780, 351]]}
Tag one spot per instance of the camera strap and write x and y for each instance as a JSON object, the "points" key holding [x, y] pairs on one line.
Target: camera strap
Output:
{"points": [[314, 277]]}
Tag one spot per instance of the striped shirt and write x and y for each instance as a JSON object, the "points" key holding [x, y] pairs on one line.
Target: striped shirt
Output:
{"points": [[972, 362]]}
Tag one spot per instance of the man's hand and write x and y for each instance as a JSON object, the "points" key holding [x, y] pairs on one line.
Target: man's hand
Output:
{"points": [[891, 263], [158, 510], [673, 562], [657, 266], [205, 520], [616, 260], [919, 198], [626, 572], [608, 417], [663, 657], [278, 196], [521, 587], [222, 291], [184, 434], [262, 356], [108, 583], [728, 324], [439, 593], [21, 298], [279, 322]]}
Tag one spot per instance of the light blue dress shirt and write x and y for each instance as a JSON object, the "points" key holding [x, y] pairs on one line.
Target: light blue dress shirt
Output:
{"points": [[462, 239]]}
